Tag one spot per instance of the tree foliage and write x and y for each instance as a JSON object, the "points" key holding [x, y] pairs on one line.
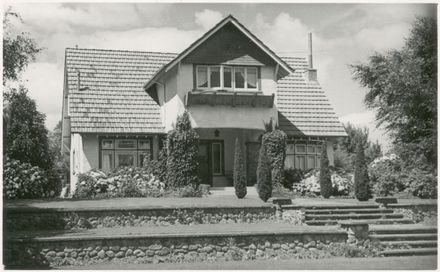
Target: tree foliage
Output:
{"points": [[26, 137], [264, 182], [182, 158], [402, 88], [19, 49], [361, 180], [345, 149], [239, 174], [325, 179]]}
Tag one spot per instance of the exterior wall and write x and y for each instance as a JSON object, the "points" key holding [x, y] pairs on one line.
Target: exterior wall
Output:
{"points": [[330, 152], [90, 159]]}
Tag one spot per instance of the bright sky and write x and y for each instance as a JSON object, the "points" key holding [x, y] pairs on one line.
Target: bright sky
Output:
{"points": [[343, 34]]}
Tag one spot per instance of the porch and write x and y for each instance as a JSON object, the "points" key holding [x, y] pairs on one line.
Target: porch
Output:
{"points": [[217, 151]]}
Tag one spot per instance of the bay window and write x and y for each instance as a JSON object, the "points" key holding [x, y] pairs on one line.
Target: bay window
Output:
{"points": [[220, 77], [303, 155], [123, 152]]}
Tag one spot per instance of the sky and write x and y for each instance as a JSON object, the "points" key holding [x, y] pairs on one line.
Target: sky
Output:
{"points": [[343, 34]]}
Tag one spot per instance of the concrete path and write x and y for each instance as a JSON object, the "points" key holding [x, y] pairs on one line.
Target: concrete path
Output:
{"points": [[389, 263]]}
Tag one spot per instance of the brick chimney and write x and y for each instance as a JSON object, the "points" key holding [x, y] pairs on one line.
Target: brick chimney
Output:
{"points": [[311, 73]]}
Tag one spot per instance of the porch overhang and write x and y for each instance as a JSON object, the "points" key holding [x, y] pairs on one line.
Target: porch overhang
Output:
{"points": [[227, 98]]}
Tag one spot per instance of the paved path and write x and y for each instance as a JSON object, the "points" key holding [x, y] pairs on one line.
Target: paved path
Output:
{"points": [[389, 263], [177, 231]]}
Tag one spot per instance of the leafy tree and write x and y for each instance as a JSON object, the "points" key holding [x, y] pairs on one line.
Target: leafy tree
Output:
{"points": [[239, 175], [27, 137], [264, 182], [182, 157], [325, 179], [61, 161], [402, 88], [18, 49], [361, 179]]}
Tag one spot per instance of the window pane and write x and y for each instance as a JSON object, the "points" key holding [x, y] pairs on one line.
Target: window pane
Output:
{"points": [[311, 162], [290, 149], [310, 149], [227, 77], [289, 162], [216, 158], [239, 78], [318, 161], [300, 162], [144, 144], [215, 76], [126, 143], [202, 77], [125, 159], [300, 149], [107, 160], [107, 144], [251, 78]]}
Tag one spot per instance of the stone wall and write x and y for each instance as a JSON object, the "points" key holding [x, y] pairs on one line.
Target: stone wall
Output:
{"points": [[42, 253], [17, 220]]}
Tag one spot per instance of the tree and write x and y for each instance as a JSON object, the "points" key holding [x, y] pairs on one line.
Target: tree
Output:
{"points": [[18, 49], [361, 179], [182, 157], [27, 136], [325, 179], [61, 162], [264, 182], [402, 88], [239, 175]]}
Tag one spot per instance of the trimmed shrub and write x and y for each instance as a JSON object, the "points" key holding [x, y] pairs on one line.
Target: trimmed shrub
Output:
{"points": [[182, 157], [361, 179], [190, 191], [292, 176], [325, 179], [275, 143], [264, 182], [22, 180], [239, 174]]}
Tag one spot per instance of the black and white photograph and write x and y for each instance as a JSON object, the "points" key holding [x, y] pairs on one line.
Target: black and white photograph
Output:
{"points": [[219, 136]]}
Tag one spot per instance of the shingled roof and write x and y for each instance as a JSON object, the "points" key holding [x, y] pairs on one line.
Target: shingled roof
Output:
{"points": [[304, 109], [112, 99]]}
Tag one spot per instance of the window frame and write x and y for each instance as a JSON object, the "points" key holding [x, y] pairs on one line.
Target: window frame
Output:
{"points": [[222, 83], [136, 150], [295, 154]]}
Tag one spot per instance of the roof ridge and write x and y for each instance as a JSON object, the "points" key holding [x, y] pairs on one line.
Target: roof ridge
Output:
{"points": [[119, 50]]}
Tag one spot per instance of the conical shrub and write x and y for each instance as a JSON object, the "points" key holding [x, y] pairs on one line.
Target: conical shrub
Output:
{"points": [[264, 182], [361, 179], [239, 175], [325, 179]]}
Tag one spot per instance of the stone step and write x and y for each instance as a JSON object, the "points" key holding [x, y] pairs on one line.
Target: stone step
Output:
{"points": [[410, 252], [370, 221], [403, 228], [413, 244], [347, 211], [333, 207], [404, 237], [352, 216]]}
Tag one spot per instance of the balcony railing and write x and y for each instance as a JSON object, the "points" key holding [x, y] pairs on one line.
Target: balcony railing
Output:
{"points": [[229, 98]]}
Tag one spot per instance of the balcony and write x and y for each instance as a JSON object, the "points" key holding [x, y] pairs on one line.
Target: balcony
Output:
{"points": [[229, 98]]}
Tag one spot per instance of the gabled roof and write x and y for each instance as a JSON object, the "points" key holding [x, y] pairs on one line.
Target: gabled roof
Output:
{"points": [[304, 109], [194, 45], [114, 100]]}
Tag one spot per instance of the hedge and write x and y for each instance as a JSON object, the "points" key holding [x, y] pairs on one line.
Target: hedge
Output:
{"points": [[361, 179], [325, 179], [239, 174], [275, 143], [264, 182]]}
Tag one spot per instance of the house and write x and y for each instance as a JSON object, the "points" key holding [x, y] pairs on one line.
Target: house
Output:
{"points": [[119, 105]]}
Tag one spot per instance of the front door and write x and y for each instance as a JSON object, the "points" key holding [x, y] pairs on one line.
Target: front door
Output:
{"points": [[211, 160], [252, 154], [204, 163]]}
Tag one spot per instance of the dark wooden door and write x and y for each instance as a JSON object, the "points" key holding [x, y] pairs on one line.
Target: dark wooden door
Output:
{"points": [[205, 163], [252, 153]]}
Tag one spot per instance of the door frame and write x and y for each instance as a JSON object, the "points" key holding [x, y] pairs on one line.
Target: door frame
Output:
{"points": [[209, 143]]}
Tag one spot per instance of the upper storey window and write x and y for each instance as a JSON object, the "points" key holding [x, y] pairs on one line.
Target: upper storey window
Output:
{"points": [[220, 77]]}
